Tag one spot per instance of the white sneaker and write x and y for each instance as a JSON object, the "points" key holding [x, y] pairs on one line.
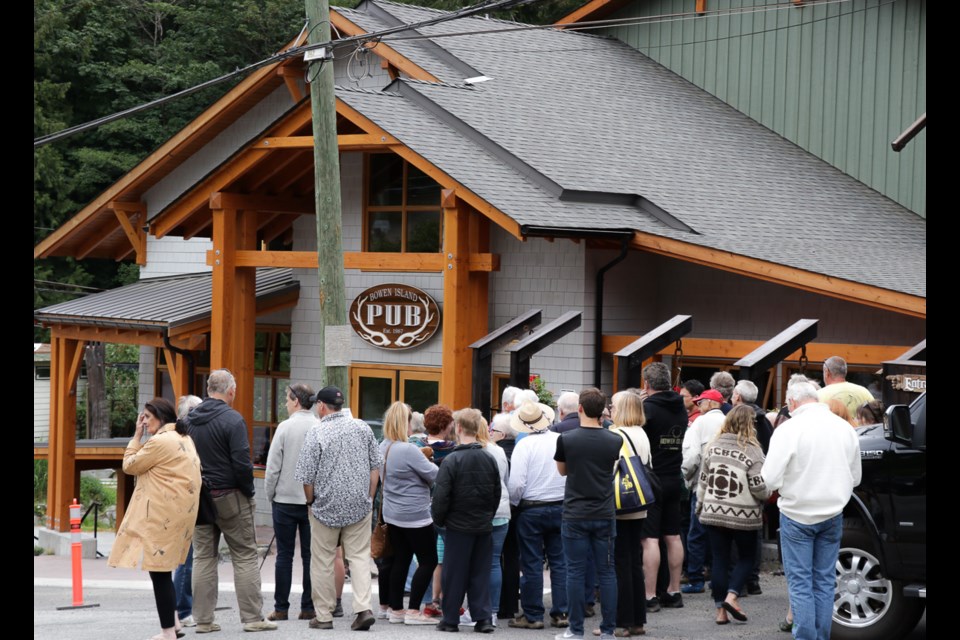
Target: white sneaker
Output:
{"points": [[568, 635], [383, 613], [417, 617], [396, 617], [465, 619], [188, 621], [494, 617]]}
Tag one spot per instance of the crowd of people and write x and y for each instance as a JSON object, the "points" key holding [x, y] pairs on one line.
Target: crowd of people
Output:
{"points": [[477, 513]]}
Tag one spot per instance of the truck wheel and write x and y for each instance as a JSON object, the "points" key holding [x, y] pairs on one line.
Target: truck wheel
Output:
{"points": [[867, 605]]}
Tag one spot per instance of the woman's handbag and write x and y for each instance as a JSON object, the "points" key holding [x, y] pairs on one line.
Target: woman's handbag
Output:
{"points": [[635, 485], [207, 508], [380, 540]]}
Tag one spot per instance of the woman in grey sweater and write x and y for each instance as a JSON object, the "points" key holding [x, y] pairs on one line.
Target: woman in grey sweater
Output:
{"points": [[407, 477]]}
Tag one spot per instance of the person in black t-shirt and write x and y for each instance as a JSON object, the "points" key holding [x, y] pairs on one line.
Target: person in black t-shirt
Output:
{"points": [[666, 425], [586, 456]]}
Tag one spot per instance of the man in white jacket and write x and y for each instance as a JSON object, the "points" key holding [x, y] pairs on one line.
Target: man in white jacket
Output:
{"points": [[814, 461]]}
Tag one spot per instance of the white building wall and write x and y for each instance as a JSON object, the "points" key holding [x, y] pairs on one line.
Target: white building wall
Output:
{"points": [[172, 255], [549, 276], [146, 381], [41, 407], [360, 71]]}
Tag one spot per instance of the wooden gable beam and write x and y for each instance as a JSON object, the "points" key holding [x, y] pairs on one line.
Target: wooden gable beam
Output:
{"points": [[149, 165], [784, 275], [127, 213], [445, 181], [127, 336], [290, 76], [345, 142], [282, 165], [198, 197], [586, 12], [386, 52], [201, 223], [277, 227], [102, 232], [261, 203]]}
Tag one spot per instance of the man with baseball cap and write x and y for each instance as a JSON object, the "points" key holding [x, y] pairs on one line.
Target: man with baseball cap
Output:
{"points": [[339, 468], [702, 431]]}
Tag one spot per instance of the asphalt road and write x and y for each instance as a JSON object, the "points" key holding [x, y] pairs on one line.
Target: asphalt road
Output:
{"points": [[126, 609]]}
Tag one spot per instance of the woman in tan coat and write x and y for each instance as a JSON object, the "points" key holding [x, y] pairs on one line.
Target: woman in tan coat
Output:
{"points": [[158, 525]]}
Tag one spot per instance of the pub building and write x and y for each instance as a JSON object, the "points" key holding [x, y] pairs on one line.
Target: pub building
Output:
{"points": [[566, 209]]}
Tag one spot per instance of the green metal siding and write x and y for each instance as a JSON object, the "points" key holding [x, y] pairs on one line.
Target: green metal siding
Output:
{"points": [[839, 79]]}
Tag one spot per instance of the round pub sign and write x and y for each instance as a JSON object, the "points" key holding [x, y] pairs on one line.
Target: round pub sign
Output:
{"points": [[394, 316]]}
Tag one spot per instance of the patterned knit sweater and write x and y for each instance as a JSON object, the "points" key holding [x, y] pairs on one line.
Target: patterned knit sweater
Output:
{"points": [[731, 490]]}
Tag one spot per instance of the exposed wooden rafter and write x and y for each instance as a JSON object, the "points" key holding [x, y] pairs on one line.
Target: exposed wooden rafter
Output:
{"points": [[349, 28], [365, 261], [129, 214], [345, 142], [198, 197], [290, 76], [727, 349], [784, 275]]}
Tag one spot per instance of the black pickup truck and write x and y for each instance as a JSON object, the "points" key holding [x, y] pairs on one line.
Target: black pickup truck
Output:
{"points": [[881, 584]]}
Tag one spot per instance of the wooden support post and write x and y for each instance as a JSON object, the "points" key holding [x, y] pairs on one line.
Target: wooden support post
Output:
{"points": [[455, 378], [479, 281], [243, 327], [62, 486], [179, 372], [224, 287], [124, 493]]}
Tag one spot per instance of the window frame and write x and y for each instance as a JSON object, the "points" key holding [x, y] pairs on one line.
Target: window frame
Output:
{"points": [[403, 208]]}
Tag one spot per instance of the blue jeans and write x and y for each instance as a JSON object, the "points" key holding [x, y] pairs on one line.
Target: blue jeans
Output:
{"points": [[698, 545], [809, 556], [182, 584], [288, 520], [595, 538], [539, 530], [496, 574], [722, 580]]}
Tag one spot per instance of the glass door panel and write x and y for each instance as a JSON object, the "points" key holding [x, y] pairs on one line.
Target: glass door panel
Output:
{"points": [[419, 390]]}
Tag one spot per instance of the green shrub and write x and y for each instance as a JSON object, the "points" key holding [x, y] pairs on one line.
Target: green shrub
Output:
{"points": [[91, 489], [38, 550], [39, 481]]}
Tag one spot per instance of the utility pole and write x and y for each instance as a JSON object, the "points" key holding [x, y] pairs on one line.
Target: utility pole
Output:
{"points": [[334, 329]]}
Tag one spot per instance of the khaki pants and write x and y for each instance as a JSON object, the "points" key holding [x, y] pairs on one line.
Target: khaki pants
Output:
{"points": [[355, 539], [235, 522]]}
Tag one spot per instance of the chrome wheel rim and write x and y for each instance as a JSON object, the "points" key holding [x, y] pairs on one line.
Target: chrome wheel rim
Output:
{"points": [[862, 594]]}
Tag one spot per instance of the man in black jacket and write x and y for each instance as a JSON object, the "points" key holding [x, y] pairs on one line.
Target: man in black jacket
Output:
{"points": [[665, 427], [220, 435], [465, 498]]}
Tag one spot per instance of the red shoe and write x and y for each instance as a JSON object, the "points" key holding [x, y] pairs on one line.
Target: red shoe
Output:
{"points": [[432, 611]]}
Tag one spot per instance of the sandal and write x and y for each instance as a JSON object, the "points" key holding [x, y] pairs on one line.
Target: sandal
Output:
{"points": [[786, 625], [722, 616], [735, 612]]}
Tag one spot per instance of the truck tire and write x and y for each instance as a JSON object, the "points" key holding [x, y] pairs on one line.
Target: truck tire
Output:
{"points": [[867, 605]]}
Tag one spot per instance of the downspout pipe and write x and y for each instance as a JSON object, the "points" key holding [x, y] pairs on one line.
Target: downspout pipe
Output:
{"points": [[598, 310], [191, 365]]}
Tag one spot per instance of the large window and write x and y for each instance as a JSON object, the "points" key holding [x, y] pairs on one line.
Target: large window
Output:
{"points": [[402, 211], [271, 363]]}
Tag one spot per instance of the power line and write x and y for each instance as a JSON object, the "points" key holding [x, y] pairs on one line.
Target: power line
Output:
{"points": [[627, 22], [489, 5]]}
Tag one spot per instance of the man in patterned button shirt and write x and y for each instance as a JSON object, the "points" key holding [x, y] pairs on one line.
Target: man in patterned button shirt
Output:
{"points": [[339, 468]]}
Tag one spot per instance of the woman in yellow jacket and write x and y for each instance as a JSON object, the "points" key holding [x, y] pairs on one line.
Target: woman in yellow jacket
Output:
{"points": [[158, 525]]}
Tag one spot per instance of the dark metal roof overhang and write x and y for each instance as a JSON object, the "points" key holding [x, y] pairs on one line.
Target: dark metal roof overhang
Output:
{"points": [[161, 304]]}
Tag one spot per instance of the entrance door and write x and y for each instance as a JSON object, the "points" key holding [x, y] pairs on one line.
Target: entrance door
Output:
{"points": [[375, 388]]}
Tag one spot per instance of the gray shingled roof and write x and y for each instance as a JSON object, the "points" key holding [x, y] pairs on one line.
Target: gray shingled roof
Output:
{"points": [[572, 112], [156, 303]]}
